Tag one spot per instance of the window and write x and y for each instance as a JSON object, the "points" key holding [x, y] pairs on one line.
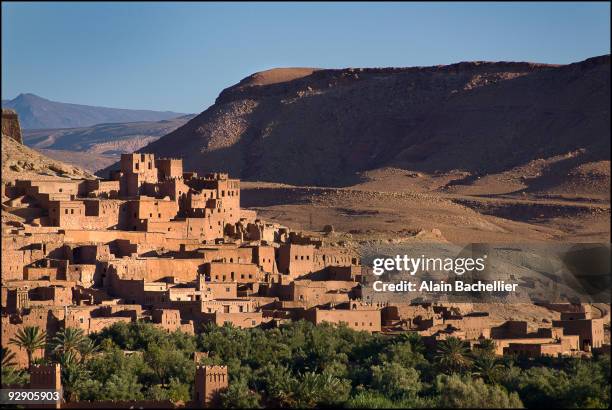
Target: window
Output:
{"points": [[66, 211], [253, 322]]}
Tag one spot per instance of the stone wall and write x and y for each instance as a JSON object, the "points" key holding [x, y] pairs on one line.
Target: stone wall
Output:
{"points": [[10, 125]]}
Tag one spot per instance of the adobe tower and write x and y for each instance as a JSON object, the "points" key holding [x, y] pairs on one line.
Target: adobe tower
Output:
{"points": [[209, 382]]}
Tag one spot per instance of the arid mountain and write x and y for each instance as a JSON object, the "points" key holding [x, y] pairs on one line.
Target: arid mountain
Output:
{"points": [[21, 162], [36, 112], [468, 120], [98, 146]]}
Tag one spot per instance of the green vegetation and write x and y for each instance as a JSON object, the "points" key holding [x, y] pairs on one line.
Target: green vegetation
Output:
{"points": [[301, 365], [10, 374], [31, 339]]}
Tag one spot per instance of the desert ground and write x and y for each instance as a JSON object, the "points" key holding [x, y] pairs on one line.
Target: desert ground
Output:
{"points": [[393, 205], [393, 210]]}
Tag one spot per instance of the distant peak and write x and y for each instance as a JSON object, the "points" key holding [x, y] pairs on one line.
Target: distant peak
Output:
{"points": [[29, 96]]}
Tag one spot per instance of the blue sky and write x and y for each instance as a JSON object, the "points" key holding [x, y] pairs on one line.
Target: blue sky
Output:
{"points": [[179, 56]]}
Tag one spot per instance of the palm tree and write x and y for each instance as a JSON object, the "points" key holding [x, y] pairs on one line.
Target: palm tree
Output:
{"points": [[308, 389], [30, 338], [10, 374], [487, 367], [73, 372], [87, 349], [487, 346], [410, 337], [453, 355], [12, 377], [8, 358], [67, 340]]}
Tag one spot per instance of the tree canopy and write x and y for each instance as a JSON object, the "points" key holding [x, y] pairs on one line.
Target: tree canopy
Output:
{"points": [[305, 366]]}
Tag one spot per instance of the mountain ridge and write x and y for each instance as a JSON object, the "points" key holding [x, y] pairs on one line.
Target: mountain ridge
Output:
{"points": [[97, 146], [36, 112], [326, 126]]}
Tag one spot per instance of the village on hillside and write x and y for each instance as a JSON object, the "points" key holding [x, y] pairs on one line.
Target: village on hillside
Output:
{"points": [[156, 243]]}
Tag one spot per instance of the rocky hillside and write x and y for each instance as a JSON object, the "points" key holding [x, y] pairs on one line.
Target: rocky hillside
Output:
{"points": [[19, 161], [36, 112], [324, 127]]}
